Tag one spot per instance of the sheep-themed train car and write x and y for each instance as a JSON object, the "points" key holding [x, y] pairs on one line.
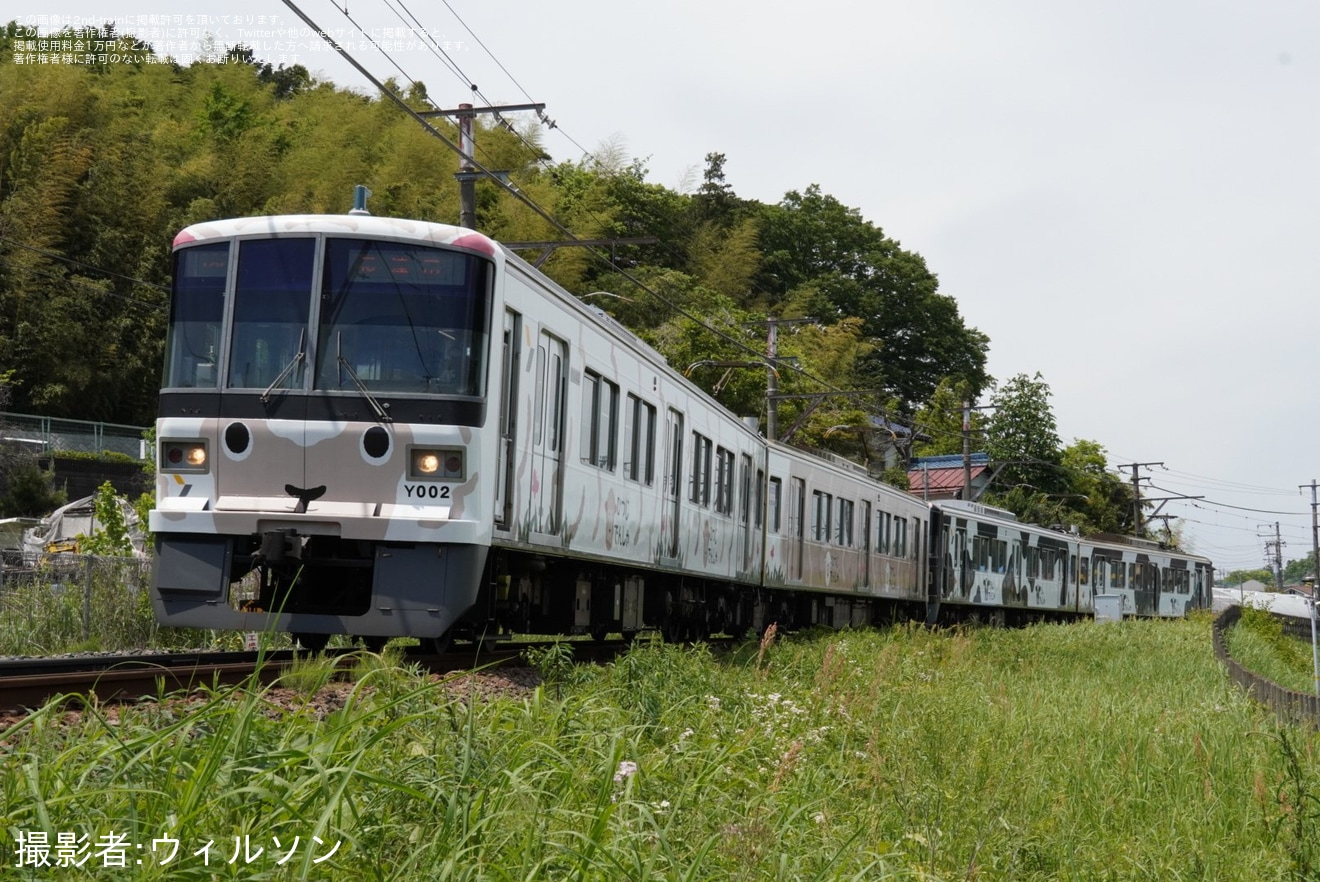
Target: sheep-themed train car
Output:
{"points": [[382, 428]]}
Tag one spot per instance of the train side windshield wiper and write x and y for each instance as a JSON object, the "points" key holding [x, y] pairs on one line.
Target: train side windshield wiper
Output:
{"points": [[297, 359], [357, 381]]}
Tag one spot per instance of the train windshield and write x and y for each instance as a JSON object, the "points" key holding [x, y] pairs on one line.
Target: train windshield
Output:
{"points": [[271, 303], [196, 316], [402, 318]]}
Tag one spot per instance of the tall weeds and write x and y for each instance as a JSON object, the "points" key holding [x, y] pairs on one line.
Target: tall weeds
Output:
{"points": [[1079, 752]]}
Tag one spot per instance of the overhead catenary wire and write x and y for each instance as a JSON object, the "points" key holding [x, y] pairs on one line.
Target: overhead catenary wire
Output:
{"points": [[597, 255], [795, 368], [509, 188]]}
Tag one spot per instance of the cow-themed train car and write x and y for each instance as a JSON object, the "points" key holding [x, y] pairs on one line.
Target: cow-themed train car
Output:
{"points": [[989, 565], [382, 427]]}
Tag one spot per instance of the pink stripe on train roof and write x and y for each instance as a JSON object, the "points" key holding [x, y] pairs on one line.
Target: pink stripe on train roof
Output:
{"points": [[366, 225]]}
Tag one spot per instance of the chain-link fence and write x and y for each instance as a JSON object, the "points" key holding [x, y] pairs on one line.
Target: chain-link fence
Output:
{"points": [[80, 602], [39, 434]]}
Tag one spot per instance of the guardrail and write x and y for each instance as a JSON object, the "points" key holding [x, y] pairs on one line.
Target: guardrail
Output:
{"points": [[1289, 704]]}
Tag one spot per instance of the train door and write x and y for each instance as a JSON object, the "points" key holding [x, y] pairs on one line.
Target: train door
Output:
{"points": [[866, 545], [920, 537], [673, 481], [745, 510], [547, 473], [962, 564], [797, 526], [1099, 576], [508, 419]]}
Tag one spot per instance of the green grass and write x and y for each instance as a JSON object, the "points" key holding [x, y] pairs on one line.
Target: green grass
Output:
{"points": [[1259, 644], [1087, 752]]}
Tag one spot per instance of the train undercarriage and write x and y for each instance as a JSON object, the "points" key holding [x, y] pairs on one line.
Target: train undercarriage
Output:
{"points": [[318, 580]]}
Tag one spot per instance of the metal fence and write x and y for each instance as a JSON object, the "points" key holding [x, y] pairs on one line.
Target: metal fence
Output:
{"points": [[48, 434], [1288, 704], [76, 601]]}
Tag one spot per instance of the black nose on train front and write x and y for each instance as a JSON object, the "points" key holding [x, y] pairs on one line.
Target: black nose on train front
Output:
{"points": [[311, 494]]}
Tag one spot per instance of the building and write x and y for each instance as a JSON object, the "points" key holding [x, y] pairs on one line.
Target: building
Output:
{"points": [[941, 477]]}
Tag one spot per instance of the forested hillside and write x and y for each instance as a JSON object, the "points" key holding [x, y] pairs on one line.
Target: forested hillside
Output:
{"points": [[101, 164]]}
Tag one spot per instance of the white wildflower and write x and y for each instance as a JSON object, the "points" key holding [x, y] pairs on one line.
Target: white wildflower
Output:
{"points": [[627, 768]]}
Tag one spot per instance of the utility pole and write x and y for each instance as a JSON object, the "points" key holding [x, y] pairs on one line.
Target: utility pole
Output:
{"points": [[1315, 586], [467, 175], [772, 395], [1136, 492], [967, 450], [772, 380], [1277, 562]]}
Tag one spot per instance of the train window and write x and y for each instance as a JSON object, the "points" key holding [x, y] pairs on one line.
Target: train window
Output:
{"points": [[745, 490], [758, 516], [558, 392], [724, 481], [639, 432], [673, 462], [882, 543], [585, 433], [648, 444], [538, 402], [197, 308], [844, 530], [1117, 573], [900, 537], [600, 421], [796, 502], [272, 301], [820, 515], [701, 454], [402, 318], [607, 425], [776, 496]]}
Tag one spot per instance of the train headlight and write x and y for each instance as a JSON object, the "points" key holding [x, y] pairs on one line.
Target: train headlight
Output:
{"points": [[437, 464], [183, 456]]}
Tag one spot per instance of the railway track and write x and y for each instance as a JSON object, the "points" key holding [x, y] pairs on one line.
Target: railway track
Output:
{"points": [[30, 683]]}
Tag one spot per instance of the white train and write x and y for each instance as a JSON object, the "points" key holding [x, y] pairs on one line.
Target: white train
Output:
{"points": [[383, 427]]}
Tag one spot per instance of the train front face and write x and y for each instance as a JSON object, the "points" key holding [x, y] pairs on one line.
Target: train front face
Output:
{"points": [[320, 457]]}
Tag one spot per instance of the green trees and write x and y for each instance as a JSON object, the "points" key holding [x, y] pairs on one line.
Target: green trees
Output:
{"points": [[110, 530], [1038, 478], [101, 165], [821, 258]]}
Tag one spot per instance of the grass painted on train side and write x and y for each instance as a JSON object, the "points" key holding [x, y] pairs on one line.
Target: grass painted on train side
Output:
{"points": [[1095, 752]]}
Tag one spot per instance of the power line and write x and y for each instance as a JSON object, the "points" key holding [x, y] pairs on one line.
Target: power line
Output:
{"points": [[78, 263], [507, 187]]}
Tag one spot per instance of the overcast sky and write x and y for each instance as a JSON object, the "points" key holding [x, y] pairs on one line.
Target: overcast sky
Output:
{"points": [[1123, 197]]}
